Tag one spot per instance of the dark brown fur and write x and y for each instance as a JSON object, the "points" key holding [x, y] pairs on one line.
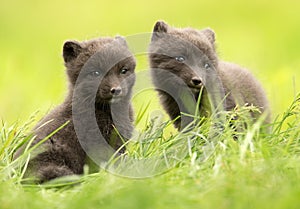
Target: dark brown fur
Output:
{"points": [[63, 154], [201, 64]]}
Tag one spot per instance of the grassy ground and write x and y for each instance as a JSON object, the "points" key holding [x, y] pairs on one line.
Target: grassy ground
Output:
{"points": [[257, 171]]}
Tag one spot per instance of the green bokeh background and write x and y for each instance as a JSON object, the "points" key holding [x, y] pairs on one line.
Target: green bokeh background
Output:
{"points": [[261, 35]]}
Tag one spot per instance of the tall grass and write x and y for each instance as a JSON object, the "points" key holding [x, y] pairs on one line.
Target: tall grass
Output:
{"points": [[250, 170]]}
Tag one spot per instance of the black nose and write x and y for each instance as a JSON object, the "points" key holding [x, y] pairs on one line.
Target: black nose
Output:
{"points": [[115, 91], [196, 81]]}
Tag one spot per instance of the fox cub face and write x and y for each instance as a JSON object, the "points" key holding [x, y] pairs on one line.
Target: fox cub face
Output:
{"points": [[188, 54], [103, 67]]}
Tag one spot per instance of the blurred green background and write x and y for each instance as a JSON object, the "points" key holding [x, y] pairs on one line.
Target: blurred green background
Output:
{"points": [[261, 35]]}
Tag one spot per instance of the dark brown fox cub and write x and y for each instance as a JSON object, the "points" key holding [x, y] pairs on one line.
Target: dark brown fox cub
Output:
{"points": [[186, 58], [101, 77]]}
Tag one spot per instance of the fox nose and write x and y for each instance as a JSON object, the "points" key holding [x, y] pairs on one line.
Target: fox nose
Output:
{"points": [[115, 91], [196, 82]]}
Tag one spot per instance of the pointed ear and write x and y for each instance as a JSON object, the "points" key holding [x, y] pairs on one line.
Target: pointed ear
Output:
{"points": [[71, 50], [121, 40], [210, 34], [159, 27]]}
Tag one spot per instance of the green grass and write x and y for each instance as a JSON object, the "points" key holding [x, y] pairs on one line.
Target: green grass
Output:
{"points": [[256, 171]]}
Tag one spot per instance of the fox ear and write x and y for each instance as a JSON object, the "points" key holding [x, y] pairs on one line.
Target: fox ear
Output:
{"points": [[71, 50], [159, 27], [210, 35], [121, 40]]}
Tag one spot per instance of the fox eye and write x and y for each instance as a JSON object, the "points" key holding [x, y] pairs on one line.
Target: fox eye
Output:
{"points": [[95, 73], [180, 59], [123, 70], [206, 66]]}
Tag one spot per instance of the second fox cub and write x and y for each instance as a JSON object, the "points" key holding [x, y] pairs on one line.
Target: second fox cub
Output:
{"points": [[101, 76], [189, 57]]}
